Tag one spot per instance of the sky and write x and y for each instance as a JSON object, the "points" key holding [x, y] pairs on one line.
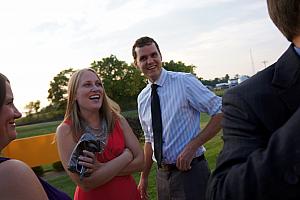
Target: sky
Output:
{"points": [[39, 38]]}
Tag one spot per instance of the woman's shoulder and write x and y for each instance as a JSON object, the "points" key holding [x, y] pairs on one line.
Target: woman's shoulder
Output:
{"points": [[64, 134], [120, 121], [13, 170], [13, 164], [63, 128], [19, 181]]}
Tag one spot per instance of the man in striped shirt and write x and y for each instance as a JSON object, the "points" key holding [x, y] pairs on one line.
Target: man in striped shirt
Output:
{"points": [[183, 172]]}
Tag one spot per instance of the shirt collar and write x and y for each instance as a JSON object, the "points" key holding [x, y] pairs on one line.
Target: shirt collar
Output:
{"points": [[297, 50], [161, 79]]}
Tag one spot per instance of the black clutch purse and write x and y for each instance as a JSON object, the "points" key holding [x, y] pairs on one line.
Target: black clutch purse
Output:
{"points": [[89, 142]]}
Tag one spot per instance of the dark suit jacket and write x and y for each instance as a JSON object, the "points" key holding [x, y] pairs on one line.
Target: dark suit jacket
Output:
{"points": [[261, 126]]}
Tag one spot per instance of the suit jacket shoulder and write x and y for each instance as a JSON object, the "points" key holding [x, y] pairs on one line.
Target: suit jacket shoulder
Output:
{"points": [[260, 132], [271, 93]]}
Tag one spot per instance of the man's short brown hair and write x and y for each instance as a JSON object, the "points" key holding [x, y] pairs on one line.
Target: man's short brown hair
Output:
{"points": [[141, 42], [286, 16]]}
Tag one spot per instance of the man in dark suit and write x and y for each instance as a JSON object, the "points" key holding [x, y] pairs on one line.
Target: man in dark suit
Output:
{"points": [[261, 126]]}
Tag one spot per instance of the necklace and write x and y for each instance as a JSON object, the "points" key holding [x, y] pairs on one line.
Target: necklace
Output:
{"points": [[100, 133], [94, 129]]}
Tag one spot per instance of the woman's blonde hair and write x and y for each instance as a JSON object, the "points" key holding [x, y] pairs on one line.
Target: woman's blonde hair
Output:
{"points": [[109, 110]]}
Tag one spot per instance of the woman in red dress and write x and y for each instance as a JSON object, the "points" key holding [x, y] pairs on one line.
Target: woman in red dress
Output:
{"points": [[90, 110]]}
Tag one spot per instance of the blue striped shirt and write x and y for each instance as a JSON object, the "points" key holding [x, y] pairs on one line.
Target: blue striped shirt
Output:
{"points": [[182, 98], [297, 50]]}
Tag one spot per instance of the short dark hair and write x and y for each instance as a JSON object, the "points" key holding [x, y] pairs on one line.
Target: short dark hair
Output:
{"points": [[286, 16], [3, 81], [141, 42]]}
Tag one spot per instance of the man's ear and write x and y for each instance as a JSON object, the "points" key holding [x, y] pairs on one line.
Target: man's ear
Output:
{"points": [[135, 63]]}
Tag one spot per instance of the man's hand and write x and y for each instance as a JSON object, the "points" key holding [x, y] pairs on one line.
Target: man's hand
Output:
{"points": [[142, 187], [185, 158]]}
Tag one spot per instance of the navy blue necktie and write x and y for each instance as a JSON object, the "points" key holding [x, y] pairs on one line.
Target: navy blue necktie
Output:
{"points": [[156, 124]]}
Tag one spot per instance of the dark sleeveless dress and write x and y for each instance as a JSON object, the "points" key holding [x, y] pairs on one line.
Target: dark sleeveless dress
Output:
{"points": [[52, 192]]}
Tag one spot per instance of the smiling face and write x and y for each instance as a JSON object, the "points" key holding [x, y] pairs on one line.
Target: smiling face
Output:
{"points": [[89, 93], [148, 60], [8, 114]]}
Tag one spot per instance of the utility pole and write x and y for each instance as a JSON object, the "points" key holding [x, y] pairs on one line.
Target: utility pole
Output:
{"points": [[252, 62], [264, 62]]}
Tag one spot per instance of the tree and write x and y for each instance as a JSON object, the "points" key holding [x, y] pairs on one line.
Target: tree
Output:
{"points": [[32, 106], [122, 82], [58, 89], [236, 76], [178, 67], [226, 78], [29, 108], [36, 106]]}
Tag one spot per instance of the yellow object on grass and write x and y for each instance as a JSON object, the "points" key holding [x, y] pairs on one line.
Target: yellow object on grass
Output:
{"points": [[34, 151]]}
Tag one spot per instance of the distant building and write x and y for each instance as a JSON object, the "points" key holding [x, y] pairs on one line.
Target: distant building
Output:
{"points": [[220, 86], [242, 78], [232, 82]]}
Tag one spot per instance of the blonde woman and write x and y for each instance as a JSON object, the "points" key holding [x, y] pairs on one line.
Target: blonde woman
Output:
{"points": [[89, 109]]}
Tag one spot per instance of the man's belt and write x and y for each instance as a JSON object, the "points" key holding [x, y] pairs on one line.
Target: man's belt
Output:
{"points": [[172, 167]]}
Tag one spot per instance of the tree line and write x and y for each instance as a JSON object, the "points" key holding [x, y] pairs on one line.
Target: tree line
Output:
{"points": [[122, 83]]}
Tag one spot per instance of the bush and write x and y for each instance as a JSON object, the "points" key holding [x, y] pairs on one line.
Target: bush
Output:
{"points": [[134, 123], [220, 93], [38, 170], [40, 118], [57, 166]]}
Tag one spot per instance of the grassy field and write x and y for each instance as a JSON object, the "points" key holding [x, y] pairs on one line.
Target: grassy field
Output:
{"points": [[50, 127], [37, 129], [213, 148], [64, 183]]}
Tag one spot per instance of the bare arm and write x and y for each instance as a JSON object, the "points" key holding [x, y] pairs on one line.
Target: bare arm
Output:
{"points": [[210, 130], [143, 184], [101, 173], [18, 181], [132, 143]]}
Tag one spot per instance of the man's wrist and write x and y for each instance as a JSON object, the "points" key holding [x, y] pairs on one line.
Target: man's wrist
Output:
{"points": [[144, 176], [194, 145]]}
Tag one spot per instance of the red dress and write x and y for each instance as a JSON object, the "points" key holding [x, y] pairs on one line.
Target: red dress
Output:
{"points": [[120, 187]]}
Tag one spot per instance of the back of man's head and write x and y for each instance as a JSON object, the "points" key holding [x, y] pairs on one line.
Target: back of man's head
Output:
{"points": [[286, 16], [143, 41]]}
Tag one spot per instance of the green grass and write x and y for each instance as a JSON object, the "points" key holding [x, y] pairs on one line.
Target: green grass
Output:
{"points": [[220, 92], [213, 148], [131, 113], [65, 184], [37, 129], [50, 127]]}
